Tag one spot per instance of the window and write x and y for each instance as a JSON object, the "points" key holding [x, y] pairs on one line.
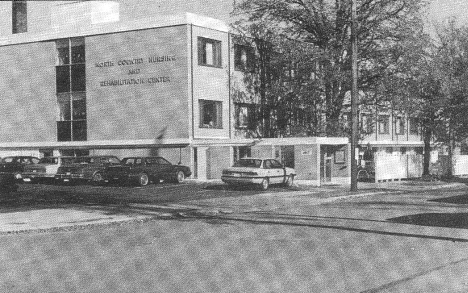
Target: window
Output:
{"points": [[254, 163], [464, 148], [211, 114], [413, 126], [244, 58], [383, 124], [242, 152], [399, 125], [209, 52], [71, 89], [367, 123], [346, 120], [19, 17], [245, 115], [340, 157]]}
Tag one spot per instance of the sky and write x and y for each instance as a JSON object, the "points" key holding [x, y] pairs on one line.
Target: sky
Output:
{"points": [[441, 9]]}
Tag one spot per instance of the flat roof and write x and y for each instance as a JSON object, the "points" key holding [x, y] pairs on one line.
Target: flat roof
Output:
{"points": [[157, 21]]}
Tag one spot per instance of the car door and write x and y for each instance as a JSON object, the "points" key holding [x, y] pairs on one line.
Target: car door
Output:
{"points": [[270, 173], [277, 171]]}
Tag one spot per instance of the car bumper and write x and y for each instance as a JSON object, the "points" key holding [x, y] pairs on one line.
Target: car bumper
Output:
{"points": [[69, 178], [28, 177], [241, 180]]}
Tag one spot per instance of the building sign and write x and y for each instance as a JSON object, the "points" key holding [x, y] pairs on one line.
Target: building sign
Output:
{"points": [[132, 70]]}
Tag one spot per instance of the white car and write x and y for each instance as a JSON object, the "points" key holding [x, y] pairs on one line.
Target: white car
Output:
{"points": [[45, 169], [258, 171]]}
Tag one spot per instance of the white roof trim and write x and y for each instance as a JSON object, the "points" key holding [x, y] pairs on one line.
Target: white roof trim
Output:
{"points": [[143, 143], [391, 143], [116, 27]]}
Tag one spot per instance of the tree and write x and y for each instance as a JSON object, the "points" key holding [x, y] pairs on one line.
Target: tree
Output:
{"points": [[452, 63], [431, 82], [325, 24]]}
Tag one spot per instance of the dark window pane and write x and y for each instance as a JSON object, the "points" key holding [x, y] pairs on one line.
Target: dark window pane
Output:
{"points": [[209, 52], [64, 110], [244, 58], [63, 51], [19, 17], [78, 54], [79, 130], [210, 114], [414, 129], [63, 79], [78, 78], [63, 130], [79, 109], [63, 56]]}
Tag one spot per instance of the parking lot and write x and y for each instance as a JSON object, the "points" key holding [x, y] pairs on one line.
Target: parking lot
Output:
{"points": [[52, 195]]}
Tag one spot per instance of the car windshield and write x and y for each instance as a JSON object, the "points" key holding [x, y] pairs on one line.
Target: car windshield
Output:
{"points": [[48, 160], [69, 160], [85, 160], [255, 163]]}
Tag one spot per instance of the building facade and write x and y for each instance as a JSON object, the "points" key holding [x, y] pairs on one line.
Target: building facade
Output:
{"points": [[90, 77], [151, 77]]}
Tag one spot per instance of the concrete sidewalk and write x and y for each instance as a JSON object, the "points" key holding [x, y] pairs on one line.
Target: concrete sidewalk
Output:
{"points": [[60, 218]]}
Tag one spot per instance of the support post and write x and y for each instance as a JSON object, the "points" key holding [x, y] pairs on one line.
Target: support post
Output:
{"points": [[354, 97]]}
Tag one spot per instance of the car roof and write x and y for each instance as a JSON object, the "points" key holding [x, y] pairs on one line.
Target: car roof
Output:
{"points": [[256, 158], [19, 157], [144, 157], [98, 156]]}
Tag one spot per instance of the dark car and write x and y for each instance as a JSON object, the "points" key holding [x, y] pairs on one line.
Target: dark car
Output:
{"points": [[7, 182], [85, 169], [16, 164], [142, 170]]}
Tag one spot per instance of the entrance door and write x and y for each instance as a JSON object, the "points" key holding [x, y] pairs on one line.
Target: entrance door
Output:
{"points": [[325, 165]]}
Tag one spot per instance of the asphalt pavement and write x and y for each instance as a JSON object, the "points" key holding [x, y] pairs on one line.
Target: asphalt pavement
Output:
{"points": [[239, 207]]}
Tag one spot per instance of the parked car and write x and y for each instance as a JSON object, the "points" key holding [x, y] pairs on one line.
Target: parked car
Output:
{"points": [[366, 171], [7, 182], [142, 170], [261, 171], [85, 169], [45, 169], [16, 164]]}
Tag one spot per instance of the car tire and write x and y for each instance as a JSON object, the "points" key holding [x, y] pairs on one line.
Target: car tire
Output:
{"points": [[289, 181], [143, 179], [97, 179], [179, 177], [265, 184]]}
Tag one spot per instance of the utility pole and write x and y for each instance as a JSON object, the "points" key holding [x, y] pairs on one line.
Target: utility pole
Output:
{"points": [[354, 97]]}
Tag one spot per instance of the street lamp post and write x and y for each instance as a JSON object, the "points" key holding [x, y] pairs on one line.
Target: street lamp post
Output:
{"points": [[354, 97]]}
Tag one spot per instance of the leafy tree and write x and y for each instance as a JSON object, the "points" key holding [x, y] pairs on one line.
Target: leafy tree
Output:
{"points": [[452, 63], [325, 26], [431, 83]]}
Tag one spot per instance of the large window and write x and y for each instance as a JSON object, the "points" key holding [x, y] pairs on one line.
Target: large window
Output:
{"points": [[384, 124], [399, 125], [211, 114], [19, 17], [209, 52], [71, 89], [244, 58]]}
